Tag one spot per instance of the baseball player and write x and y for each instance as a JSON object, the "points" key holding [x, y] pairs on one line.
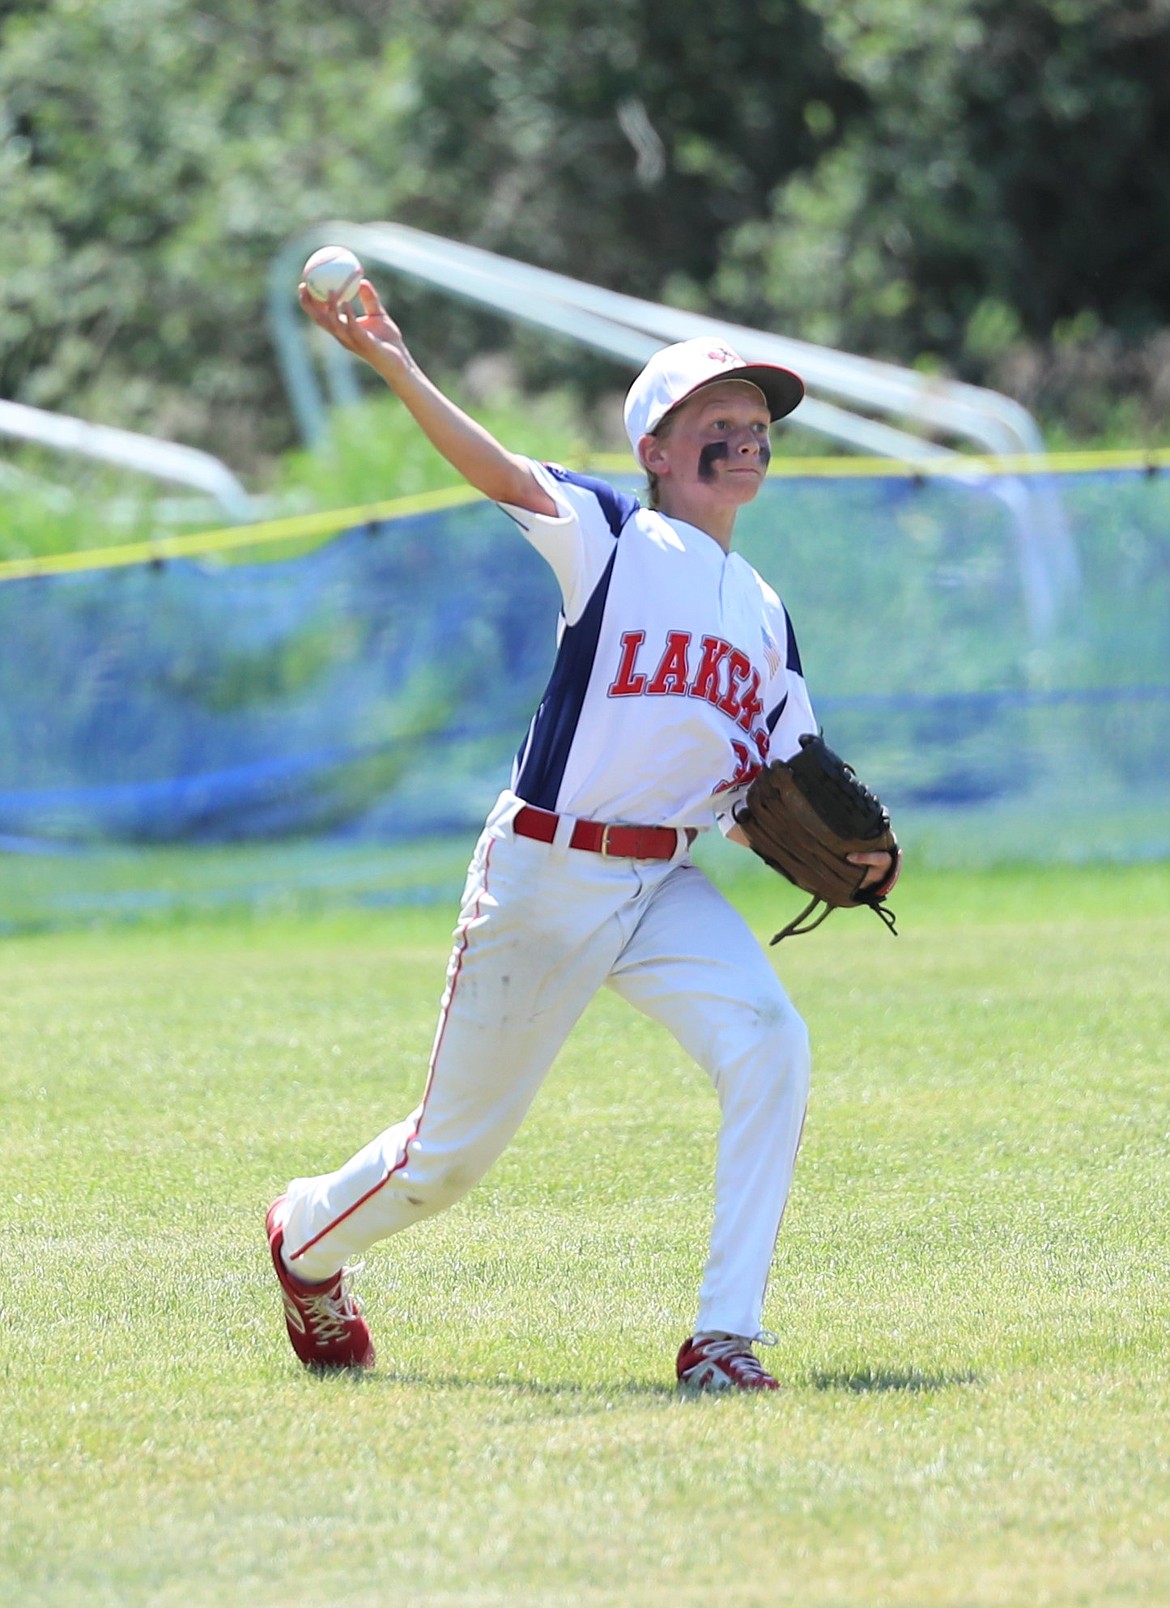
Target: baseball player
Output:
{"points": [[676, 675]]}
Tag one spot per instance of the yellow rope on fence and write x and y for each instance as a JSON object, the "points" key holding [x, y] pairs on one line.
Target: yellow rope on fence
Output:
{"points": [[304, 527], [298, 527]]}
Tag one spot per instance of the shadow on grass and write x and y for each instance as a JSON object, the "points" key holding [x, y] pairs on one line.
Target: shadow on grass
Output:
{"points": [[859, 1381], [867, 1381], [599, 1394]]}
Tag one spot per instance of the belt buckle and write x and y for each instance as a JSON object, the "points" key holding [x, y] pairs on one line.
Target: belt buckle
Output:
{"points": [[605, 831]]}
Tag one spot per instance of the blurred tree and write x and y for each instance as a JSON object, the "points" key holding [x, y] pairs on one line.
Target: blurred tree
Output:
{"points": [[949, 180], [616, 138], [1006, 174], [153, 154]]}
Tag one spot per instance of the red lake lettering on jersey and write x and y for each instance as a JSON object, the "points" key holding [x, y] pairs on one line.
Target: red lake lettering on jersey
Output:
{"points": [[718, 672], [715, 670]]}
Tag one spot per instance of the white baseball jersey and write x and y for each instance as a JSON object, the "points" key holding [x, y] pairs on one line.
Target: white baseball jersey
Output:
{"points": [[677, 672]]}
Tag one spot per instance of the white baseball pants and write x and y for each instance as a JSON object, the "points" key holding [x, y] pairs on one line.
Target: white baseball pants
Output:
{"points": [[541, 928]]}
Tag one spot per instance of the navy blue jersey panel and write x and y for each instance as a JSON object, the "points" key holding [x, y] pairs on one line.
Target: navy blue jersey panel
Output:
{"points": [[793, 659], [555, 724], [617, 506], [776, 713]]}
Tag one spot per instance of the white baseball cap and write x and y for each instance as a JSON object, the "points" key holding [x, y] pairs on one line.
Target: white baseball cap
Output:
{"points": [[677, 372]]}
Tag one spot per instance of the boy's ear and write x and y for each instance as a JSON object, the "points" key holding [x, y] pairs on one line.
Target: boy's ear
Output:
{"points": [[650, 454]]}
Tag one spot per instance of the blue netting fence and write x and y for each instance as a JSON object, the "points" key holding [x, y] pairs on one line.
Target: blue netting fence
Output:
{"points": [[316, 712]]}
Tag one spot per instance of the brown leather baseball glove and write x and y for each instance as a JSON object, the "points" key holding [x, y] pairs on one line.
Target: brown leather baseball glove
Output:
{"points": [[804, 816]]}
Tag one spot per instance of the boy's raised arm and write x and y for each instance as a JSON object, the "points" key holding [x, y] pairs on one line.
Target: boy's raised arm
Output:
{"points": [[482, 461]]}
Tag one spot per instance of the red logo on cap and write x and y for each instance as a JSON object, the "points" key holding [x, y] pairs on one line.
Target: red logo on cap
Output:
{"points": [[720, 354]]}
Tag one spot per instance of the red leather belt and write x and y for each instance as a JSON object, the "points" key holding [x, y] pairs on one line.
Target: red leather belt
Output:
{"points": [[615, 842]]}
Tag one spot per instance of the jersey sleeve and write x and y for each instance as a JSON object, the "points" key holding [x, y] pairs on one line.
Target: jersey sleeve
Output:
{"points": [[577, 541]]}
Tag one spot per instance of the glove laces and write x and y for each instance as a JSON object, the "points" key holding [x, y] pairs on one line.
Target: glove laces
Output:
{"points": [[800, 924]]}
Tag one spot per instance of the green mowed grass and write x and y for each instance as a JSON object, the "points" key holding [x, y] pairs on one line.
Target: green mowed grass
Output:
{"points": [[970, 1292]]}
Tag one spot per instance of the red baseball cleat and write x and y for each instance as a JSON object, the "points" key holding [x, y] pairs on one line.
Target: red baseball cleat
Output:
{"points": [[722, 1362], [325, 1323]]}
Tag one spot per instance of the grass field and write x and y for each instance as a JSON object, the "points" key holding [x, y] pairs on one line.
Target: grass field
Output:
{"points": [[970, 1294]]}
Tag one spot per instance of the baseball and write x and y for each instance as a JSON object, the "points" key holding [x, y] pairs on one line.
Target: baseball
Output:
{"points": [[332, 269]]}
